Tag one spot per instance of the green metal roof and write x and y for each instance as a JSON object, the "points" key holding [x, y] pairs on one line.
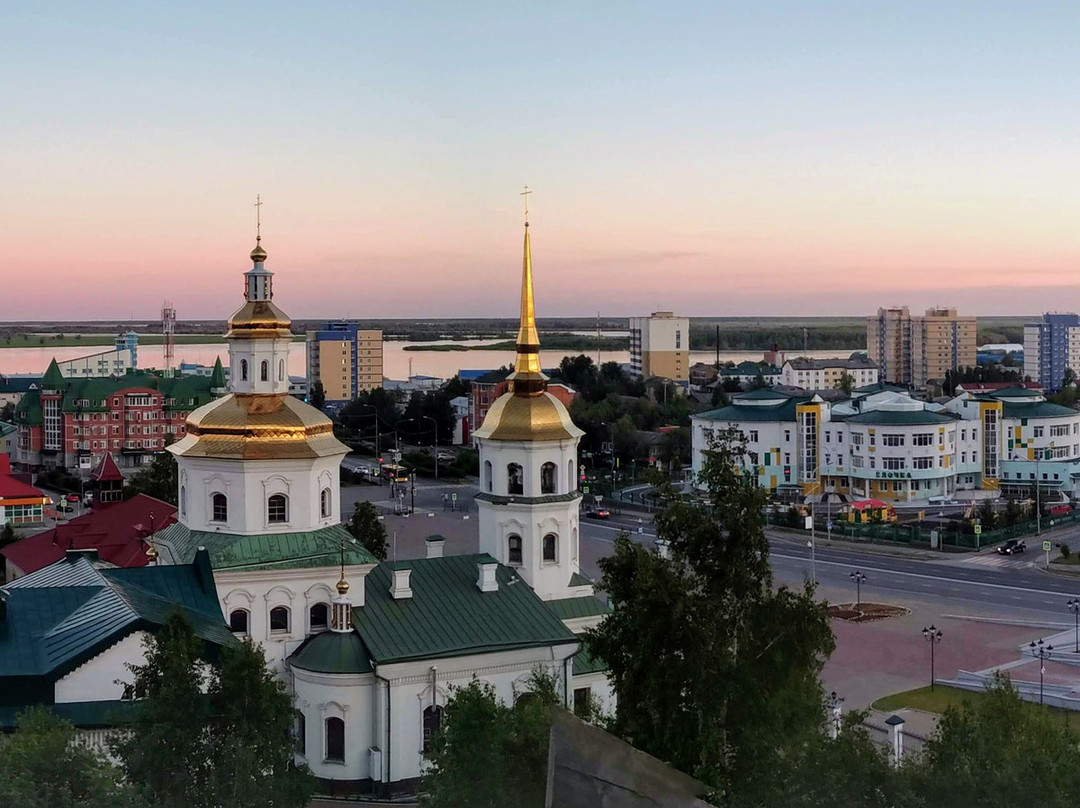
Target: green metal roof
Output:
{"points": [[1035, 409], [448, 615], [53, 378], [577, 579], [899, 418], [28, 410], [82, 714], [783, 410], [65, 614], [1014, 392], [571, 608], [332, 652], [880, 387], [315, 548], [217, 376], [585, 662], [763, 393], [6, 428]]}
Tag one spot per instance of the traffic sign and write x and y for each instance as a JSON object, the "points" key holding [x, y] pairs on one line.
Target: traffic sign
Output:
{"points": [[453, 497], [584, 489], [978, 530], [598, 499], [1046, 547]]}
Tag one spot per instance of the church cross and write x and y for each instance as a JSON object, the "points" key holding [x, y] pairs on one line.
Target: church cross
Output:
{"points": [[525, 194], [258, 218]]}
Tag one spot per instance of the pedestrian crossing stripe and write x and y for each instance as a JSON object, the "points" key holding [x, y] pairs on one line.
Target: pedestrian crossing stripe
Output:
{"points": [[996, 561]]}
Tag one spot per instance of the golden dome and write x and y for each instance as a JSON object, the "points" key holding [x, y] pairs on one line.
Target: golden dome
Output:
{"points": [[259, 427], [258, 255], [259, 318], [528, 418], [343, 586]]}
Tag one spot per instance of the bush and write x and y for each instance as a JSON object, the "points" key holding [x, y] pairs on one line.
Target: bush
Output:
{"points": [[1064, 550]]}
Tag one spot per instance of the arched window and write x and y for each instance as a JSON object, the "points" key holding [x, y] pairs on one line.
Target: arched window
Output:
{"points": [[513, 546], [515, 479], [487, 476], [548, 481], [238, 621], [335, 740], [183, 500], [220, 508], [281, 370], [243, 370], [432, 720], [325, 503], [301, 733], [277, 508], [279, 620], [571, 480], [320, 617], [264, 371], [551, 544]]}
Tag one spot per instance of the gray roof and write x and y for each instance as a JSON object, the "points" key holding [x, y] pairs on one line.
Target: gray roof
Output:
{"points": [[803, 363]]}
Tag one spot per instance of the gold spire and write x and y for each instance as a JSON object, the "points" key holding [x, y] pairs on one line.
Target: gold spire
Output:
{"points": [[343, 585], [527, 378], [258, 255]]}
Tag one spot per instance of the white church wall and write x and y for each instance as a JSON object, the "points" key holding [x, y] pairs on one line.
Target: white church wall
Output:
{"points": [[498, 522], [321, 696], [275, 352], [97, 679]]}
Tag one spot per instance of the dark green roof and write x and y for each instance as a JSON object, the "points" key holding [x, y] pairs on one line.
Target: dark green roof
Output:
{"points": [[82, 714], [783, 410], [577, 579], [448, 615], [28, 410], [178, 393], [1035, 409], [217, 376], [880, 387], [571, 608], [899, 418], [762, 393], [315, 548], [749, 368], [1014, 392], [65, 614], [53, 378], [544, 499], [585, 662], [332, 652]]}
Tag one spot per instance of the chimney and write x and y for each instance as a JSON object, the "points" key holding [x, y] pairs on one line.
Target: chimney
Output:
{"points": [[399, 589], [487, 581], [434, 546]]}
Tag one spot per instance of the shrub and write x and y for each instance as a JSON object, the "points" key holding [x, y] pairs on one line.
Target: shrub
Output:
{"points": [[1064, 550]]}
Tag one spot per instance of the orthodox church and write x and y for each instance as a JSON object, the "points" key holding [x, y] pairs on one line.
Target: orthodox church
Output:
{"points": [[370, 651]]}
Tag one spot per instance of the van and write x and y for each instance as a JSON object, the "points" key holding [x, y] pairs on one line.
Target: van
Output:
{"points": [[942, 499]]}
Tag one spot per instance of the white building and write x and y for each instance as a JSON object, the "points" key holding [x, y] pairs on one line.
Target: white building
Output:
{"points": [[825, 374]]}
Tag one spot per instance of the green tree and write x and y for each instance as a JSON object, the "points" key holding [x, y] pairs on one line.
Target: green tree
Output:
{"points": [[365, 527], [846, 382], [41, 766], [455, 387], [714, 670], [158, 480], [1069, 379], [318, 396], [7, 413], [488, 754], [8, 535]]}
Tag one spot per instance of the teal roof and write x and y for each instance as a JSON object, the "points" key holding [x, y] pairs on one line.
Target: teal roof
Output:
{"points": [[782, 410], [178, 393], [82, 714], [763, 393], [315, 548], [585, 662], [899, 418], [577, 579], [1035, 409], [571, 608], [65, 614], [880, 387], [332, 652], [1014, 392], [749, 368], [217, 376], [28, 410], [53, 378], [448, 615], [6, 428]]}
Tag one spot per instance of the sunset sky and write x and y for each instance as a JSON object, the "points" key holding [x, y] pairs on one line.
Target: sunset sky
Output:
{"points": [[715, 158]]}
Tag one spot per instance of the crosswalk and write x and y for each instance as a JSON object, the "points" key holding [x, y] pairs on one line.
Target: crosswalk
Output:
{"points": [[996, 560]]}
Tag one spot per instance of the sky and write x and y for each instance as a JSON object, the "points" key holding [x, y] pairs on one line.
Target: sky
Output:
{"points": [[714, 158]]}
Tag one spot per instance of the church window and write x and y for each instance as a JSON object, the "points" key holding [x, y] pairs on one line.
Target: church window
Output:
{"points": [[513, 545], [281, 370], [487, 476], [320, 620], [183, 500], [301, 733], [432, 720], [551, 542], [335, 740], [582, 701], [277, 508], [238, 621], [547, 478], [570, 479], [243, 370], [279, 620], [221, 508], [325, 502], [515, 479], [264, 371]]}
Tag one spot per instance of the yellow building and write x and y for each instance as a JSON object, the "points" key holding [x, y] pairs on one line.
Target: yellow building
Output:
{"points": [[347, 360], [914, 350], [660, 346]]}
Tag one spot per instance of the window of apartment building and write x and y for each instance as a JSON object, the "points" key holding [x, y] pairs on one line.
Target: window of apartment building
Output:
{"points": [[856, 438], [678, 339], [1038, 431], [828, 459], [892, 440], [826, 436], [923, 439], [872, 463], [787, 458], [922, 462], [787, 434], [753, 436], [872, 438], [893, 463], [963, 457], [857, 462], [1059, 430]]}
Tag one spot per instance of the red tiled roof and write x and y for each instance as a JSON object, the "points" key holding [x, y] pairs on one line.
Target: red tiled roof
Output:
{"points": [[116, 531], [10, 488], [107, 470]]}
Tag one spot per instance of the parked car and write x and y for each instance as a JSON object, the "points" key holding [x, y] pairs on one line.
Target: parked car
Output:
{"points": [[446, 457], [598, 513], [72, 497], [1012, 547]]}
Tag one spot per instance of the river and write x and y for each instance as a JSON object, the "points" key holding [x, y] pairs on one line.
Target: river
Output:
{"points": [[397, 362]]}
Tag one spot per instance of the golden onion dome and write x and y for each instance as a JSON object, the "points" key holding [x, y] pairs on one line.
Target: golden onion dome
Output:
{"points": [[259, 427], [258, 255], [343, 586], [259, 318], [528, 418]]}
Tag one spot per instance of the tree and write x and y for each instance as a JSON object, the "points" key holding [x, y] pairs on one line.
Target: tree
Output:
{"points": [[365, 527], [318, 396], [713, 670], [158, 480], [455, 387], [41, 766], [487, 754], [7, 413], [8, 535], [1069, 379], [846, 382]]}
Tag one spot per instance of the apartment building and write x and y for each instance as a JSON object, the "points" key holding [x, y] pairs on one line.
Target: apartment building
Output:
{"points": [[825, 374], [660, 346], [914, 350], [346, 359], [1050, 346]]}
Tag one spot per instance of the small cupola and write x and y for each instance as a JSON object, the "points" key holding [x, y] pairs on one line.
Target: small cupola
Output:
{"points": [[486, 580], [341, 619], [399, 586]]}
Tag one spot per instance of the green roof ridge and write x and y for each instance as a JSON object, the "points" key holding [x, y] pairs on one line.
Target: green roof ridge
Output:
{"points": [[53, 378]]}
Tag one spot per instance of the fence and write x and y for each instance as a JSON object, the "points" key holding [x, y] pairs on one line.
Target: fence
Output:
{"points": [[911, 742]]}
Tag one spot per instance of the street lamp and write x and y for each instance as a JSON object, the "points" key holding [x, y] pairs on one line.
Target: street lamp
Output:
{"points": [[858, 578], [933, 636], [436, 423], [375, 412], [1042, 653], [612, 425], [1074, 607]]}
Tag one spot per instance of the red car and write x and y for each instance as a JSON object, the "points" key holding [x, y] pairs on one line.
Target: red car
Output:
{"points": [[72, 497], [598, 513]]}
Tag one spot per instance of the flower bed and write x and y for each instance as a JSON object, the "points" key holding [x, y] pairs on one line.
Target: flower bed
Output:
{"points": [[865, 612]]}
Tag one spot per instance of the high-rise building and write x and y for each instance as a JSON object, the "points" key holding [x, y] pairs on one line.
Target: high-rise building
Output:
{"points": [[660, 346], [1051, 346], [915, 350], [347, 360]]}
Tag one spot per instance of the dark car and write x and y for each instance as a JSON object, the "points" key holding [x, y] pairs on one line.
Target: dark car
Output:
{"points": [[1012, 547], [598, 513]]}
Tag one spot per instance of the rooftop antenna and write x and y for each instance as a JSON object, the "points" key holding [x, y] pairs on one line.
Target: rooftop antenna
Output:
{"points": [[168, 332], [598, 340]]}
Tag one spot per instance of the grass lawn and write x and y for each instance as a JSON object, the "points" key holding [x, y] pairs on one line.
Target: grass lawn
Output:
{"points": [[941, 696]]}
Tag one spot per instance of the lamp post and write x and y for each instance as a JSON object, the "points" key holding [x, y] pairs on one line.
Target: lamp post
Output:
{"points": [[1074, 607], [933, 636], [436, 423], [1042, 653], [858, 578]]}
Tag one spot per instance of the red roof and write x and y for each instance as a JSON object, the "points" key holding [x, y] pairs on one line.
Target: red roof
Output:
{"points": [[10, 488], [117, 532], [107, 470]]}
